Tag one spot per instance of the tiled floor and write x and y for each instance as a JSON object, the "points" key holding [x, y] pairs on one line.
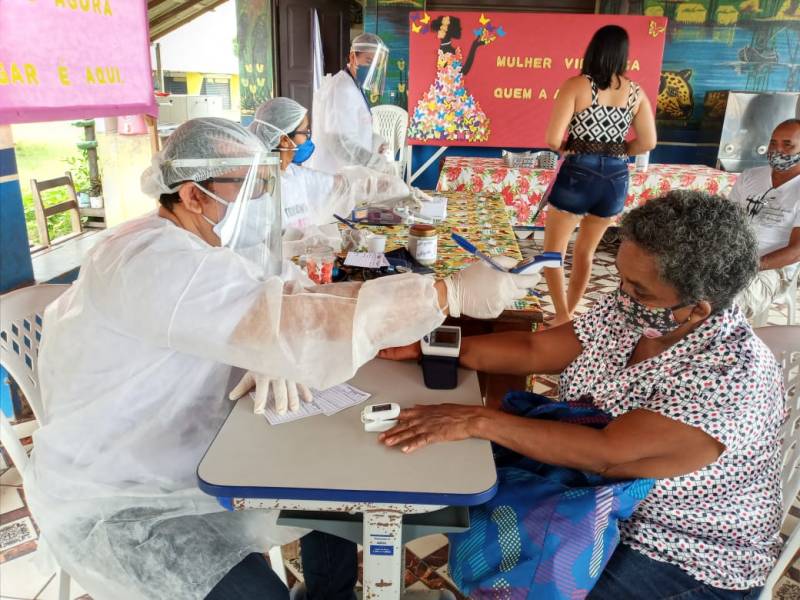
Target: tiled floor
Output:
{"points": [[426, 558]]}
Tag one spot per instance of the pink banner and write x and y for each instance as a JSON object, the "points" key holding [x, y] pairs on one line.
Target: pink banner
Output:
{"points": [[68, 59]]}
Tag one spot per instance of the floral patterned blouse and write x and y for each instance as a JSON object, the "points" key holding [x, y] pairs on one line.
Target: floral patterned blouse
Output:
{"points": [[719, 524]]}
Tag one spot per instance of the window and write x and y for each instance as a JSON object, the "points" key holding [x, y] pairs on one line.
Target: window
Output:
{"points": [[218, 86], [175, 84]]}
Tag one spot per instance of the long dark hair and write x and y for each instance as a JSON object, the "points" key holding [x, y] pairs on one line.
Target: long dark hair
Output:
{"points": [[606, 55]]}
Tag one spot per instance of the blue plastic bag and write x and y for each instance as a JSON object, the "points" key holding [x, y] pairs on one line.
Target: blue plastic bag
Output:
{"points": [[549, 531]]}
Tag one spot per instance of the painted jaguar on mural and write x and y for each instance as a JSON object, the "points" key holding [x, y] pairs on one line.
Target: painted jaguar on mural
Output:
{"points": [[675, 96]]}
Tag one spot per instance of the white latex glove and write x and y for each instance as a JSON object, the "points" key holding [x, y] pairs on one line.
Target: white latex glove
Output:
{"points": [[284, 392], [482, 292], [418, 194], [353, 239]]}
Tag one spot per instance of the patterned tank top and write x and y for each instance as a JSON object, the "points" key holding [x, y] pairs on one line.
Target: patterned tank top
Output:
{"points": [[601, 129]]}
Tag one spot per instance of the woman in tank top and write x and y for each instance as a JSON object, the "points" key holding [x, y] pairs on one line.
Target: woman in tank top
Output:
{"points": [[595, 110]]}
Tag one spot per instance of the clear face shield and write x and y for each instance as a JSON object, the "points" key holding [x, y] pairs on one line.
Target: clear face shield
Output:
{"points": [[371, 61], [248, 192]]}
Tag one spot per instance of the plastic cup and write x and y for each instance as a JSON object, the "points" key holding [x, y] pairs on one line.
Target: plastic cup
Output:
{"points": [[319, 265], [376, 244]]}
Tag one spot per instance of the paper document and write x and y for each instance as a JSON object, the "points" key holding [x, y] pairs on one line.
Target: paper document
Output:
{"points": [[326, 402], [306, 409], [369, 260], [338, 398]]}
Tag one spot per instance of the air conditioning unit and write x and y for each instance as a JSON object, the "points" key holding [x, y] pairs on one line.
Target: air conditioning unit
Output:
{"points": [[178, 108]]}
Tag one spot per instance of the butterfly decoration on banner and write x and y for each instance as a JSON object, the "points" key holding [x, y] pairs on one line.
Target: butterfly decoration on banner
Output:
{"points": [[488, 33], [420, 22], [655, 30]]}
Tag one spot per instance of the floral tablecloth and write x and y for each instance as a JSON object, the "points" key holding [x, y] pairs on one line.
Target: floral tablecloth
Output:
{"points": [[521, 189], [482, 220]]}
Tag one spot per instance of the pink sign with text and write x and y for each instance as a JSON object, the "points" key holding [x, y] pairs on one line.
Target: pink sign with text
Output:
{"points": [[72, 59]]}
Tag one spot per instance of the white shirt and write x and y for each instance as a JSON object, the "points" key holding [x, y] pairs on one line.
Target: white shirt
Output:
{"points": [[775, 219]]}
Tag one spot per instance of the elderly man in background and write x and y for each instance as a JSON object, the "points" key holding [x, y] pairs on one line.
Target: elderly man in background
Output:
{"points": [[771, 197]]}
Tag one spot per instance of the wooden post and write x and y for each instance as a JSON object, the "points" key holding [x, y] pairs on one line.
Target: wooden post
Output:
{"points": [[152, 129]]}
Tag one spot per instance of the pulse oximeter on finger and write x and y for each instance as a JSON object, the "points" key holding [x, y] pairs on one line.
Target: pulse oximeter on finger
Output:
{"points": [[380, 417]]}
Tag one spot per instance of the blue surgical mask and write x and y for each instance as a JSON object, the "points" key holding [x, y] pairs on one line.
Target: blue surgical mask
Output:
{"points": [[362, 71], [303, 152]]}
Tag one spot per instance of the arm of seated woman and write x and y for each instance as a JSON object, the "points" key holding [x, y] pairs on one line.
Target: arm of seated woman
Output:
{"points": [[640, 443], [509, 353]]}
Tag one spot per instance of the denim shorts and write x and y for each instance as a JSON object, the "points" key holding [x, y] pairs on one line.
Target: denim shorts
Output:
{"points": [[591, 184]]}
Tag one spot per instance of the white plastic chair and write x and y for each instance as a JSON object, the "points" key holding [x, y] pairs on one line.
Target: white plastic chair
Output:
{"points": [[391, 123], [20, 335], [787, 296], [784, 341]]}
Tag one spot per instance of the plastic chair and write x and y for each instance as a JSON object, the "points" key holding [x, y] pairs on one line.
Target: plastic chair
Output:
{"points": [[788, 296], [784, 341], [20, 335], [391, 123]]}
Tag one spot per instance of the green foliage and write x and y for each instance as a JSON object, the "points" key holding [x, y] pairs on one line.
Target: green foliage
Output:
{"points": [[79, 167]]}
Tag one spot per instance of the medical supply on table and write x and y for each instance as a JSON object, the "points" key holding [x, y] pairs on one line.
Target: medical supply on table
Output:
{"points": [[472, 249], [324, 402], [376, 244], [366, 260], [319, 264], [402, 257], [423, 243], [382, 216], [440, 350], [435, 209], [345, 222], [380, 417], [524, 267]]}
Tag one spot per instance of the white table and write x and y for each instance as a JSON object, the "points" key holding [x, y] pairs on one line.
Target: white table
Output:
{"points": [[330, 464]]}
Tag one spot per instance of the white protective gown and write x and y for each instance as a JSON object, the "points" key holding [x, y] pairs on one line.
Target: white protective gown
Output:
{"points": [[342, 125], [310, 197], [134, 368]]}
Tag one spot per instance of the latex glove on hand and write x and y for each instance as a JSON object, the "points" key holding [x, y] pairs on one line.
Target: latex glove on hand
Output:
{"points": [[482, 292], [354, 239], [286, 393]]}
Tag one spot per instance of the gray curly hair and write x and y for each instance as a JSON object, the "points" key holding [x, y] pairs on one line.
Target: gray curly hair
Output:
{"points": [[703, 245]]}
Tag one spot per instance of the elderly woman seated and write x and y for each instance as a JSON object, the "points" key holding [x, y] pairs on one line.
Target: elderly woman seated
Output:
{"points": [[695, 396]]}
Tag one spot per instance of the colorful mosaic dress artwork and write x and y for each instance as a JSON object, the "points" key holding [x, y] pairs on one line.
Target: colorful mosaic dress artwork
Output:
{"points": [[448, 111]]}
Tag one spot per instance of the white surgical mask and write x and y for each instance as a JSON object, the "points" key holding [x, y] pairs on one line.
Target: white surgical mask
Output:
{"points": [[252, 231]]}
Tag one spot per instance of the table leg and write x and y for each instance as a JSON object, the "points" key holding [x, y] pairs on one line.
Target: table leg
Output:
{"points": [[383, 555]]}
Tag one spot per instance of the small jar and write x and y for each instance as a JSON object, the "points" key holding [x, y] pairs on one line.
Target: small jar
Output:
{"points": [[423, 242], [319, 264]]}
